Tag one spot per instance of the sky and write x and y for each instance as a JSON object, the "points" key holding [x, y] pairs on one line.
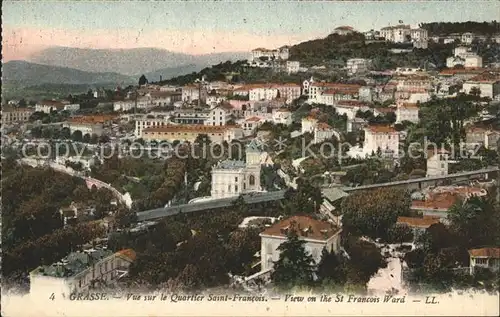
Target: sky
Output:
{"points": [[203, 27]]}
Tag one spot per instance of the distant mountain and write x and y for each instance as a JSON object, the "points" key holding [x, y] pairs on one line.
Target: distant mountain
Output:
{"points": [[127, 61], [171, 72], [24, 73]]}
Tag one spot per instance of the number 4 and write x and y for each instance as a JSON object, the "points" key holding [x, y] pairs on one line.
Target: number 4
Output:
{"points": [[52, 296]]}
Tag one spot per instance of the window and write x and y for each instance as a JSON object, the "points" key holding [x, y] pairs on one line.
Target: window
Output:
{"points": [[252, 180], [481, 261], [236, 179], [236, 188]]}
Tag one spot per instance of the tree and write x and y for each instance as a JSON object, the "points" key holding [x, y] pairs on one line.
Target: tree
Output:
{"points": [[295, 267], [65, 133], [373, 212], [475, 91], [143, 80], [307, 197], [331, 268]]}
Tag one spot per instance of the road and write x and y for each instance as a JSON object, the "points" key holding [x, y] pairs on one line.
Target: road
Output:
{"points": [[213, 204]]}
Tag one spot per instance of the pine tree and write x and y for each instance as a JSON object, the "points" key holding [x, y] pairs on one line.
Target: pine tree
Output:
{"points": [[331, 268], [295, 266], [143, 80]]}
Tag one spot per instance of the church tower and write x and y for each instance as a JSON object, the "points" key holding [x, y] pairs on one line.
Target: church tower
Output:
{"points": [[252, 171]]}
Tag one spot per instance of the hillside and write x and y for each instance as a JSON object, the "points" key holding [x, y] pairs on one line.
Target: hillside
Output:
{"points": [[127, 61], [29, 74], [445, 28]]}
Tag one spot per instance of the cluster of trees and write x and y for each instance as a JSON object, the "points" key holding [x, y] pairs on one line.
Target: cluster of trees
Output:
{"points": [[53, 117], [445, 28], [32, 228], [441, 260], [48, 132], [374, 213], [297, 269], [195, 250]]}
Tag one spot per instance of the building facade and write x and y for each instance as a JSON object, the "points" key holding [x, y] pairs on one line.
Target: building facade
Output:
{"points": [[16, 115], [381, 137], [318, 235]]}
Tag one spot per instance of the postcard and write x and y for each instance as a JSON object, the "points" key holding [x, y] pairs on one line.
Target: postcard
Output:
{"points": [[250, 158]]}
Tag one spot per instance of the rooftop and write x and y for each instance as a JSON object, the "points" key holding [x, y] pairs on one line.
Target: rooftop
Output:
{"points": [[74, 263], [441, 201], [418, 222], [486, 252], [305, 226], [380, 128], [231, 165], [190, 128]]}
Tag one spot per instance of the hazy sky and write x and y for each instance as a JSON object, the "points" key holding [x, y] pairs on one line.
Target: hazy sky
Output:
{"points": [[200, 27]]}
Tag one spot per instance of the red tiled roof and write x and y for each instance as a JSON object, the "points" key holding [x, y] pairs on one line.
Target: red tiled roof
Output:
{"points": [[418, 222], [381, 128], [253, 119], [486, 252], [128, 253], [305, 226], [442, 201], [190, 128]]}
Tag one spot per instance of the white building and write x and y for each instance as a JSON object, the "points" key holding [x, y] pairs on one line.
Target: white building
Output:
{"points": [[191, 93], [265, 92], [358, 66], [437, 163], [218, 116], [233, 178], [404, 34], [146, 123], [282, 116], [463, 56], [292, 67], [308, 124], [321, 92], [142, 102], [47, 106], [250, 125], [487, 258], [318, 235], [407, 112], [323, 132], [350, 107], [487, 83], [81, 272], [467, 38], [381, 137], [282, 53], [72, 107], [343, 30]]}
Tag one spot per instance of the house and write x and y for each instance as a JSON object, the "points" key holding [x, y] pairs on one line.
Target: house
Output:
{"points": [[488, 84], [437, 163], [190, 116], [219, 115], [191, 93], [47, 106], [81, 271], [282, 116], [403, 34], [487, 258], [263, 92], [467, 38], [89, 124], [288, 91], [322, 92], [323, 132], [343, 30], [381, 137], [407, 112], [141, 124], [14, 115], [189, 133], [463, 56], [435, 204], [355, 124], [350, 107], [292, 67], [332, 198], [316, 234], [308, 124], [281, 53], [232, 178], [164, 98], [69, 214], [488, 136], [358, 66], [251, 124]]}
